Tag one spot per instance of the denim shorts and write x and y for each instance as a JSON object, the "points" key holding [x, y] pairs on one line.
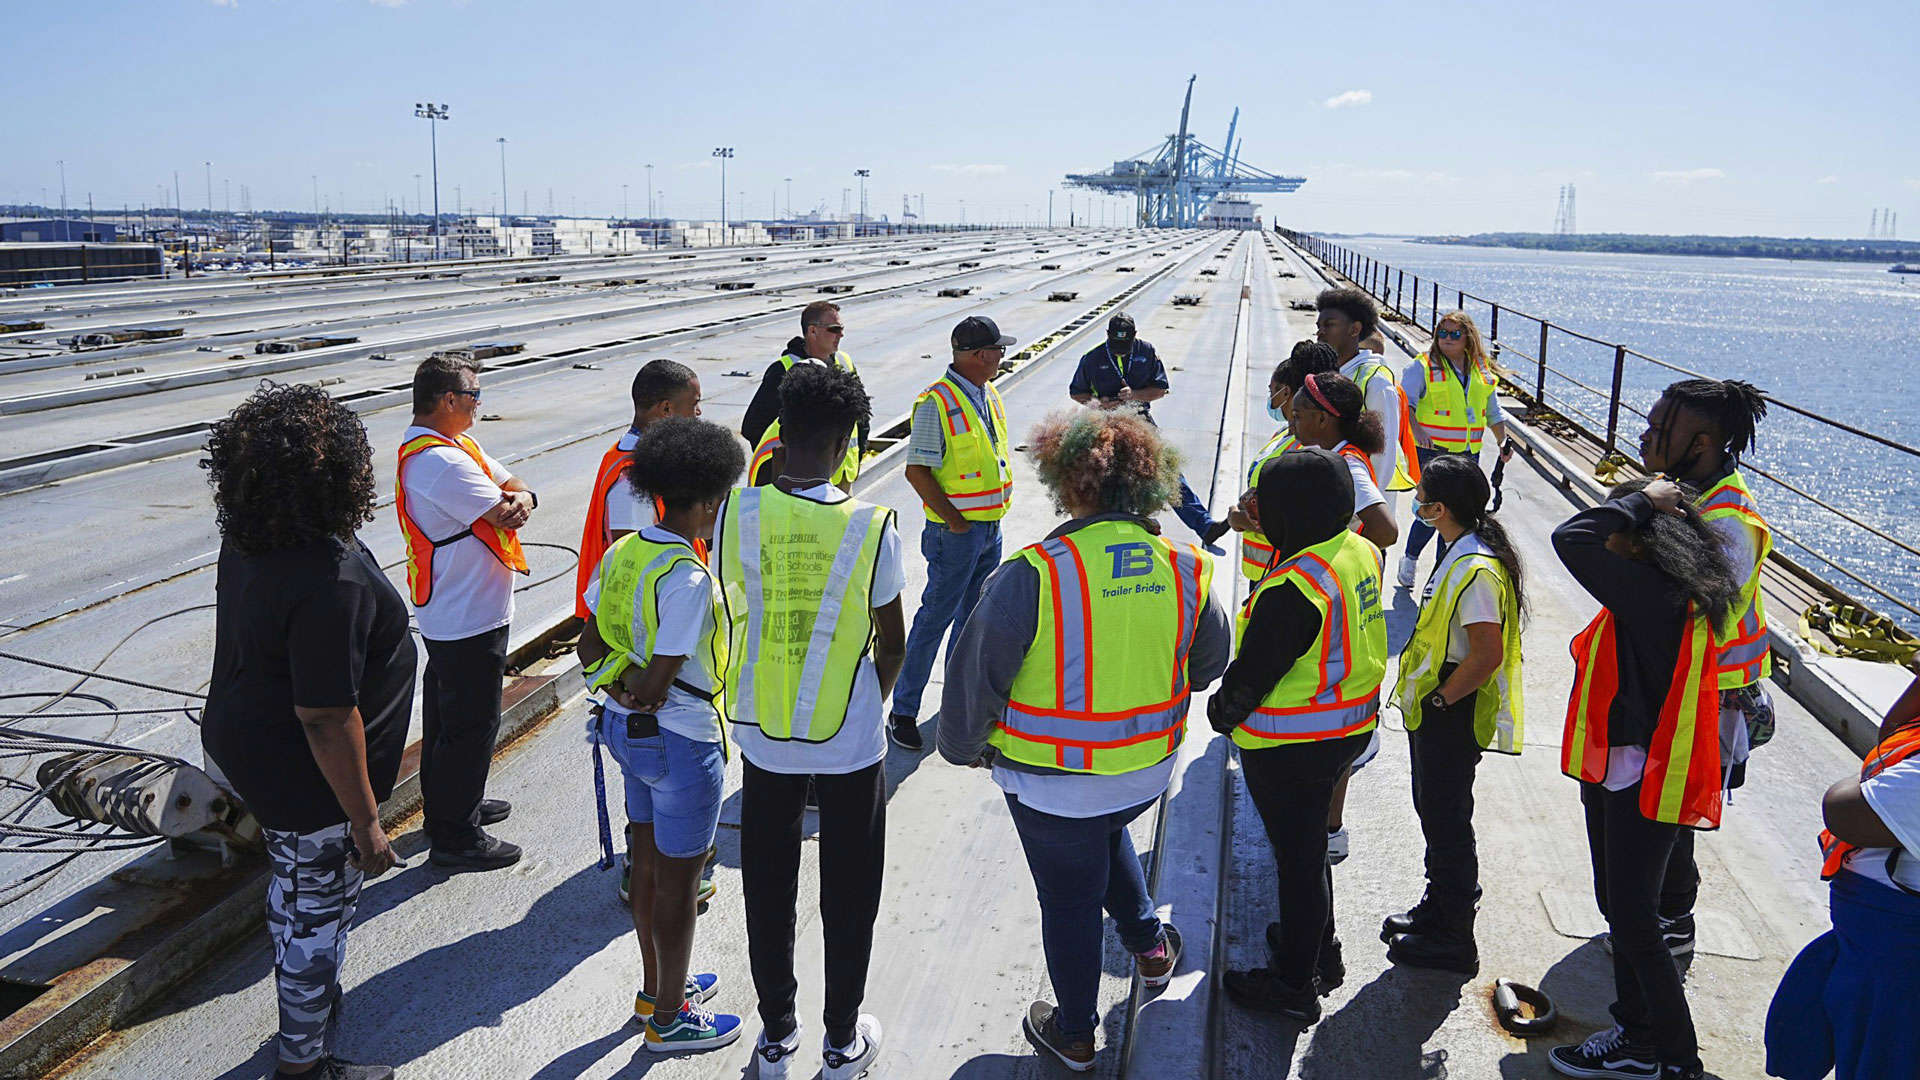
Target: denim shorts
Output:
{"points": [[673, 783]]}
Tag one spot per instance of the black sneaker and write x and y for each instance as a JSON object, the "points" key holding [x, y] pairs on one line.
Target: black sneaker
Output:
{"points": [[333, 1068], [1606, 1054], [484, 853], [905, 732], [1412, 921], [1676, 933], [1441, 952], [494, 811], [1043, 1031], [1329, 970], [1261, 990]]}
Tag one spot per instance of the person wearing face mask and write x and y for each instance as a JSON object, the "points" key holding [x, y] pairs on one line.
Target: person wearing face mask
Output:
{"points": [[1459, 689], [1307, 358], [1454, 397], [957, 462], [821, 334], [1300, 702], [1125, 373]]}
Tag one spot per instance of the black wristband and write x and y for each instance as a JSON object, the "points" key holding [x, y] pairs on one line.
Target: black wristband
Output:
{"points": [[536, 498]]}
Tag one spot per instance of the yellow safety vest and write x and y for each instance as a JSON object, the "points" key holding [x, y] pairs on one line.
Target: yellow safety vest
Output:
{"points": [[629, 576], [1103, 688], [1256, 555], [1453, 415], [1406, 467], [1333, 689], [974, 473], [849, 469], [800, 572], [1497, 708], [1745, 656]]}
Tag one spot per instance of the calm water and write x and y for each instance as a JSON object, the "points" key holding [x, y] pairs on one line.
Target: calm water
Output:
{"points": [[1840, 339]]}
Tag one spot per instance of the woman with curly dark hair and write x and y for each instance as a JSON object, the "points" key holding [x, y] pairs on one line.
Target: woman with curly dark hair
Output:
{"points": [[1071, 679], [1642, 737], [312, 686]]}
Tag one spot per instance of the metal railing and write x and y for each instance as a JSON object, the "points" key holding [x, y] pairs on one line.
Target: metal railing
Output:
{"points": [[1564, 365]]}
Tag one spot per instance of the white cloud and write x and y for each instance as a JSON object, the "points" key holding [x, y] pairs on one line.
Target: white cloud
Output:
{"points": [[225, 3], [388, 3], [1688, 176], [1828, 179], [977, 169], [1350, 98]]}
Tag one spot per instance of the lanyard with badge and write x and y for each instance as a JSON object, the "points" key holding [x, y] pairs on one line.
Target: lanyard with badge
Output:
{"points": [[1120, 371]]}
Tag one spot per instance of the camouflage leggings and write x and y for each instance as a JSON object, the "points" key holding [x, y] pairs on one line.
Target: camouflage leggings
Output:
{"points": [[310, 905]]}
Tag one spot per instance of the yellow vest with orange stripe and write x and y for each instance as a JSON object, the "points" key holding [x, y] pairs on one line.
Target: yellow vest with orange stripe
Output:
{"points": [[1256, 555], [1103, 688], [1453, 410], [1902, 744], [974, 473], [1333, 689], [1745, 657], [1681, 781], [1406, 468], [504, 544]]}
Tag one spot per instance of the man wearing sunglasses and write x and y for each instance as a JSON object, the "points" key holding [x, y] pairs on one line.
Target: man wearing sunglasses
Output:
{"points": [[459, 509], [1125, 373], [821, 334]]}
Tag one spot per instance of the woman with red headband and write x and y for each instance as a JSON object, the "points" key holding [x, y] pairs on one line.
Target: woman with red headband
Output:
{"points": [[1330, 412]]}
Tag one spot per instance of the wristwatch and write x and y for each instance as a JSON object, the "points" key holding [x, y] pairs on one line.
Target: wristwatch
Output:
{"points": [[1436, 700]]}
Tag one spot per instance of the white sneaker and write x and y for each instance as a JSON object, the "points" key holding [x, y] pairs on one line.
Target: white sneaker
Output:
{"points": [[852, 1062], [772, 1059], [1404, 578], [1337, 846]]}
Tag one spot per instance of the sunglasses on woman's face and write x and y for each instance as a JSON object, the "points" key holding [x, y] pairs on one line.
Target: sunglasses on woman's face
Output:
{"points": [[1450, 335]]}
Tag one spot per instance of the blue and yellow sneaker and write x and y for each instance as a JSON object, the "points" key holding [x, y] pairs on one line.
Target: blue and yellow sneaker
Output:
{"points": [[700, 988], [694, 1028]]}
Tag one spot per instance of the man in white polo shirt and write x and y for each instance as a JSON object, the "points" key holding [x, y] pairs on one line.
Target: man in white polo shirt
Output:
{"points": [[458, 510]]}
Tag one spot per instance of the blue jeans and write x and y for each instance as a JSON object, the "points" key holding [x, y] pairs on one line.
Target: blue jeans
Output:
{"points": [[1081, 865], [1845, 1004], [672, 783], [957, 565]]}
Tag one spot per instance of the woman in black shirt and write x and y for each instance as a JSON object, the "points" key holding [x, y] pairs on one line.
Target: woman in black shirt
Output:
{"points": [[1662, 582], [312, 686]]}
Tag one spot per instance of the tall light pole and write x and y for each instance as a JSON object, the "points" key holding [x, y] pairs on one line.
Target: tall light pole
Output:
{"points": [[723, 153], [623, 202], [504, 230], [66, 230], [209, 166], [862, 174], [433, 114], [789, 196]]}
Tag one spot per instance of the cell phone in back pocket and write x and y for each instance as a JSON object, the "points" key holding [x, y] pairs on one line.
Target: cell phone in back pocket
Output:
{"points": [[642, 725]]}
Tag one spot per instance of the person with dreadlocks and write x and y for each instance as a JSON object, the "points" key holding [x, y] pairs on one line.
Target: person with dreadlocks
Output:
{"points": [[1695, 434], [1641, 736], [1845, 1005]]}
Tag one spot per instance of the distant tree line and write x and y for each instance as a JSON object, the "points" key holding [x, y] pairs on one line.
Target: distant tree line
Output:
{"points": [[1764, 247]]}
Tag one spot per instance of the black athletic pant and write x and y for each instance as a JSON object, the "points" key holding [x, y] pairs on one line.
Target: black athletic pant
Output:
{"points": [[1445, 755], [1292, 788], [1680, 888], [460, 718], [1630, 856], [853, 858]]}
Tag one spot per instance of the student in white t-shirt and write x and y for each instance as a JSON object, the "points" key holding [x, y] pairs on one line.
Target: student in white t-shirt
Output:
{"points": [[805, 696], [657, 644], [1845, 1005], [458, 510]]}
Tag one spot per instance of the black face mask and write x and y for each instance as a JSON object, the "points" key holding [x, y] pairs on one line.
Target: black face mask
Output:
{"points": [[1120, 346]]}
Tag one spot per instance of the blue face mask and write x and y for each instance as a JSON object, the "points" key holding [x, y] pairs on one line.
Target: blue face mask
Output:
{"points": [[1274, 411]]}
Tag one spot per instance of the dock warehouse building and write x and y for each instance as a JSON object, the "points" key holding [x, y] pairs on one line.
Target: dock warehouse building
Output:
{"points": [[37, 263]]}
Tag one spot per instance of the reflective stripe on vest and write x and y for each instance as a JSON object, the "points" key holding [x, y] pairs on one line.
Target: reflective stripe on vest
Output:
{"points": [[801, 573], [1681, 780], [1406, 466], [1745, 655], [629, 584], [1256, 555], [1497, 704], [595, 537], [1897, 747], [503, 543], [1103, 688], [1453, 415], [1333, 690], [974, 473], [847, 473]]}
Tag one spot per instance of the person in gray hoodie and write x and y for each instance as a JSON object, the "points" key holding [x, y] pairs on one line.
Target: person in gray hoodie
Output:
{"points": [[1078, 707]]}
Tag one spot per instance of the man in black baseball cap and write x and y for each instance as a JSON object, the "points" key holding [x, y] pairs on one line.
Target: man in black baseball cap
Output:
{"points": [[957, 461], [1125, 373]]}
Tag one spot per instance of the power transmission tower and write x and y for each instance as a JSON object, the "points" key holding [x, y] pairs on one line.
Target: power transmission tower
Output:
{"points": [[1563, 221]]}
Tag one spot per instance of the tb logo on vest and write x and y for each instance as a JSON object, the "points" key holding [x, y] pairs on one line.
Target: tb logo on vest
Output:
{"points": [[1132, 559]]}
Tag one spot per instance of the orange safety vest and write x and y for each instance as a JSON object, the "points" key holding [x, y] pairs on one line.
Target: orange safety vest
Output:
{"points": [[1361, 456], [1894, 749], [595, 538], [1680, 783], [504, 544]]}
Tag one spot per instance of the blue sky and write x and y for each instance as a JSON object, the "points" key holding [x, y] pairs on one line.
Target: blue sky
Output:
{"points": [[1671, 117]]}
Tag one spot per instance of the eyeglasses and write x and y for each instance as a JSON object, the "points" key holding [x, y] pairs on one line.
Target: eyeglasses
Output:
{"points": [[474, 394], [835, 328], [1450, 335]]}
